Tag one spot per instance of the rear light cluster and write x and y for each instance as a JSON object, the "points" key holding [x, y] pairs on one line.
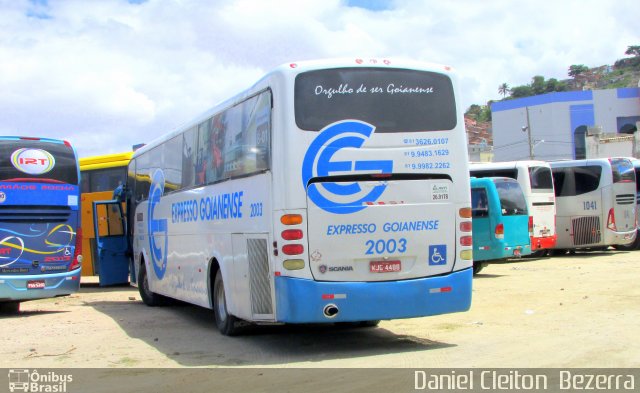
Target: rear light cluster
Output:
{"points": [[77, 254], [292, 235], [530, 225], [499, 231], [466, 239], [611, 220]]}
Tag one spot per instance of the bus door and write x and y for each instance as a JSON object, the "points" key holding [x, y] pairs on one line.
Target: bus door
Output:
{"points": [[112, 262]]}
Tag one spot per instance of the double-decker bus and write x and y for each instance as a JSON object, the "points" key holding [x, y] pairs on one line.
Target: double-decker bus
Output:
{"points": [[40, 238], [596, 201], [329, 191], [536, 182], [100, 175]]}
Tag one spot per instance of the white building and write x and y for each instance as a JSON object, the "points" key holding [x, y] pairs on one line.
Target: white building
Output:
{"points": [[554, 126]]}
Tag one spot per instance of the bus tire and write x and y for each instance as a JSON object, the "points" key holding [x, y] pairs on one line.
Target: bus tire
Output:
{"points": [[477, 267], [10, 307], [149, 298], [539, 253], [225, 322]]}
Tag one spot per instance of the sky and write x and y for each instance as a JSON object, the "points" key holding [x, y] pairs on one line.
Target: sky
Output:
{"points": [[108, 74]]}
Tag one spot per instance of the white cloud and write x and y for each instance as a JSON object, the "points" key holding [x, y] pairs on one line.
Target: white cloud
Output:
{"points": [[110, 74]]}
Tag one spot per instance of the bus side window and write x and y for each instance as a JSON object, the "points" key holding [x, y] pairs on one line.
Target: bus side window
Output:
{"points": [[479, 203]]}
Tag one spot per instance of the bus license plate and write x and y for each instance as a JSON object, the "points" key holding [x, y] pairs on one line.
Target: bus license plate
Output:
{"points": [[384, 266], [35, 284]]}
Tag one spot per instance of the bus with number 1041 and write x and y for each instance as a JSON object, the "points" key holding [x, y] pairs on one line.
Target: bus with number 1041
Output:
{"points": [[329, 191], [40, 237]]}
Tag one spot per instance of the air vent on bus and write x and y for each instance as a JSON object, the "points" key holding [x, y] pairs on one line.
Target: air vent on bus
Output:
{"points": [[259, 276], [29, 213], [586, 230], [625, 199]]}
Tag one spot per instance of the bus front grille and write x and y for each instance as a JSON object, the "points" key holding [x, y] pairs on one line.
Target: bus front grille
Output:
{"points": [[625, 199], [34, 213], [259, 276], [586, 230]]}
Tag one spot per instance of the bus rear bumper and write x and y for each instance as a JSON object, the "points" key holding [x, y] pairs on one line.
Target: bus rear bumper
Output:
{"points": [[306, 301], [16, 288], [543, 243]]}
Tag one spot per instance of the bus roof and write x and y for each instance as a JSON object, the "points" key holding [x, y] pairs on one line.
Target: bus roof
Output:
{"points": [[294, 68], [105, 161]]}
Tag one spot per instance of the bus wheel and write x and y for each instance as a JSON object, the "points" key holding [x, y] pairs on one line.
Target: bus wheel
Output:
{"points": [[149, 298], [539, 253], [225, 322], [477, 267], [10, 307]]}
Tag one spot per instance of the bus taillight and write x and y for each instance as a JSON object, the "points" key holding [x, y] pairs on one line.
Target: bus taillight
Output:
{"points": [[465, 212], [77, 255], [291, 219], [292, 234], [611, 220], [466, 241], [499, 232], [293, 249], [466, 226], [530, 225]]}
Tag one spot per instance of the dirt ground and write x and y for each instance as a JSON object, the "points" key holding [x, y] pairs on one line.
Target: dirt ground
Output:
{"points": [[572, 311]]}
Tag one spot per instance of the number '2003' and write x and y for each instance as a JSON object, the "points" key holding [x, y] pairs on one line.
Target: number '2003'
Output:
{"points": [[386, 246], [256, 210]]}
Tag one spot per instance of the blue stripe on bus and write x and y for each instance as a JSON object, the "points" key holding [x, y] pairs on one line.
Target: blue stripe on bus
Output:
{"points": [[14, 287], [301, 300]]}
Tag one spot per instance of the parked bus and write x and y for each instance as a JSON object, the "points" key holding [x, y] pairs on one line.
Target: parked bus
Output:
{"points": [[101, 175], [596, 202], [536, 182], [40, 238], [327, 192], [501, 225], [636, 243]]}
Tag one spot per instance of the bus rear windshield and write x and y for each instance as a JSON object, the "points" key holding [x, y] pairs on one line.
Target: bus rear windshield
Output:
{"points": [[392, 100], [512, 199], [622, 170], [37, 161], [541, 179]]}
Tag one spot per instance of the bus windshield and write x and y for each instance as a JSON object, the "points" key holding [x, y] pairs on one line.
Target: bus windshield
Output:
{"points": [[27, 160], [393, 100], [622, 170], [512, 199]]}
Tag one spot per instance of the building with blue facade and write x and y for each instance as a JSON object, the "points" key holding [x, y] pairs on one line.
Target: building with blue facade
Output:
{"points": [[554, 126]]}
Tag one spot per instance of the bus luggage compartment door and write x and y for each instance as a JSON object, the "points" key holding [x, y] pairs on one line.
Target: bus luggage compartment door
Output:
{"points": [[407, 232]]}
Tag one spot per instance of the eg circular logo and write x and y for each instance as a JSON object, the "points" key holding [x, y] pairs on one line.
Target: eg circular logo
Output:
{"points": [[33, 161], [157, 228], [343, 197], [3, 197]]}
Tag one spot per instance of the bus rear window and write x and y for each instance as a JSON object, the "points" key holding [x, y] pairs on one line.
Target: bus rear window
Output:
{"points": [[541, 179], [512, 199], [392, 100], [622, 170], [36, 160]]}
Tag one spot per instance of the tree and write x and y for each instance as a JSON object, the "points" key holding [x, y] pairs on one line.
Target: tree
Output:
{"points": [[504, 89], [575, 70], [538, 85], [521, 91], [633, 50]]}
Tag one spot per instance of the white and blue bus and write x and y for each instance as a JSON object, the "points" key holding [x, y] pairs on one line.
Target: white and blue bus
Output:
{"points": [[330, 191], [40, 237]]}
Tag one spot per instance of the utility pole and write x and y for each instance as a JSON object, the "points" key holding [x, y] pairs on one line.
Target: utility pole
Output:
{"points": [[529, 135]]}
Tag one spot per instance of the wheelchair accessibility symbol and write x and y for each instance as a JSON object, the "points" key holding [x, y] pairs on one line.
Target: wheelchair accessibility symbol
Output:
{"points": [[438, 255]]}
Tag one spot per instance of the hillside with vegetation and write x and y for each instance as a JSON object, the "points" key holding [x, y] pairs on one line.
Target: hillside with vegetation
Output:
{"points": [[623, 73]]}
